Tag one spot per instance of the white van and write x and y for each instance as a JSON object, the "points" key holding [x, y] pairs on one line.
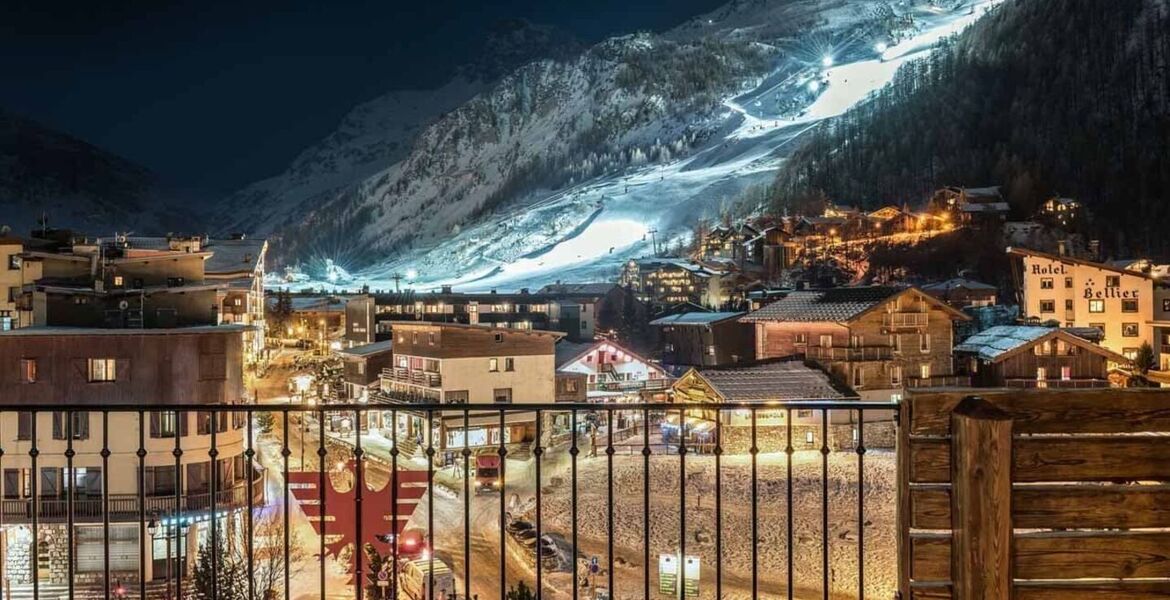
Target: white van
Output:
{"points": [[414, 576]]}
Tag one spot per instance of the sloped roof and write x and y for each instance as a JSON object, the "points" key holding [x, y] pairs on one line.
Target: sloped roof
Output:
{"points": [[566, 351], [957, 282], [1001, 341], [779, 380], [834, 304], [986, 207], [574, 289], [697, 318], [233, 256], [368, 349]]}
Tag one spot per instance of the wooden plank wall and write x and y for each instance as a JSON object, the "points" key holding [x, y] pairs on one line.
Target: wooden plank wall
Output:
{"points": [[1090, 493]]}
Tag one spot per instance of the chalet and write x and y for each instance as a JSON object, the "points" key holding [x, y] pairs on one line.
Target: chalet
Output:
{"points": [[1130, 307], [960, 292], [705, 339], [1062, 212], [1035, 357], [362, 367], [877, 340], [974, 206], [612, 373], [763, 384]]}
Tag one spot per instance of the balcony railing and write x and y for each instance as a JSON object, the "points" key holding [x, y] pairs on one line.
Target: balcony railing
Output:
{"points": [[413, 377], [629, 386], [939, 381], [125, 507], [1033, 383], [906, 319], [578, 495], [850, 354]]}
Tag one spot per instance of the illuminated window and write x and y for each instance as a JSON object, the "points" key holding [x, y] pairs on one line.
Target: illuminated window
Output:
{"points": [[102, 369], [1113, 281], [28, 370], [509, 364], [924, 371], [117, 281], [494, 365], [1096, 306], [1066, 373]]}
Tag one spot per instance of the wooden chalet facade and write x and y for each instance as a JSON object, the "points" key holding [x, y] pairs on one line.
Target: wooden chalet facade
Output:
{"points": [[876, 340], [702, 339], [1035, 357]]}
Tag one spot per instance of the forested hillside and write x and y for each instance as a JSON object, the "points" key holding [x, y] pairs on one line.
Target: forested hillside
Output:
{"points": [[1042, 97]]}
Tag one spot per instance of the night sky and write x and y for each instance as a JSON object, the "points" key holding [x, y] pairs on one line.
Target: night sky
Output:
{"points": [[214, 95]]}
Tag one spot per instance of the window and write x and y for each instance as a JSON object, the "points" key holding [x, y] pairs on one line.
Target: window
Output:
{"points": [[1068, 283], [431, 337], [804, 414], [78, 420], [1096, 306], [1129, 306], [924, 371], [24, 424], [13, 262], [28, 370], [1068, 304], [160, 481], [102, 369], [1166, 305], [571, 385], [1047, 306], [800, 338], [502, 395], [924, 343], [1041, 377], [499, 338], [118, 281], [668, 347], [711, 350], [1130, 330], [1042, 349], [1066, 373], [857, 377], [896, 342], [1129, 353], [86, 481], [5, 321], [162, 424], [238, 301], [1046, 283], [509, 364], [895, 375], [1113, 281], [16, 483], [494, 365], [175, 281], [826, 341]]}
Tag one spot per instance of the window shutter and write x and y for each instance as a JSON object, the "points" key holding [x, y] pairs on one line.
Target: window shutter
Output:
{"points": [[57, 433]]}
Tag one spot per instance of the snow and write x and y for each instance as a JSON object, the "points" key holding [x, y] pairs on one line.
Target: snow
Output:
{"points": [[587, 231]]}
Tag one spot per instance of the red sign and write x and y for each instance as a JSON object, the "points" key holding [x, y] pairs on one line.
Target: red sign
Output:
{"points": [[339, 523]]}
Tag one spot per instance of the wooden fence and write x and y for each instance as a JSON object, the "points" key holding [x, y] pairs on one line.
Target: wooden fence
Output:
{"points": [[1034, 495]]}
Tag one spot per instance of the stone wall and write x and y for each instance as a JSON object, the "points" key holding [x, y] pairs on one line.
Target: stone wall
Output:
{"points": [[54, 545]]}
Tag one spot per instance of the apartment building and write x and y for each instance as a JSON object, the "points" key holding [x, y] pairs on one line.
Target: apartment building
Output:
{"points": [[1130, 307], [148, 367], [468, 364], [875, 340], [705, 339]]}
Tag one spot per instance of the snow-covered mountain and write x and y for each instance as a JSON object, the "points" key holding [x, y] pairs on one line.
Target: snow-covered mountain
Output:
{"points": [[567, 166], [46, 173]]}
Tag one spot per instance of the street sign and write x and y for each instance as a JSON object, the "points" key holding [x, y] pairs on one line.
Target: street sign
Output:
{"points": [[594, 566], [383, 575], [668, 575]]}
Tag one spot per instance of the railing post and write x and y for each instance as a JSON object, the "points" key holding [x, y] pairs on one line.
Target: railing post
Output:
{"points": [[981, 511]]}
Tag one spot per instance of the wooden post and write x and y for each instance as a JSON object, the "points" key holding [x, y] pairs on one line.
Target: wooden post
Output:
{"points": [[981, 511]]}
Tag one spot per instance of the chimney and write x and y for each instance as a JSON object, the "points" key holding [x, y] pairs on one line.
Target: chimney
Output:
{"points": [[1062, 247], [446, 289], [1095, 249]]}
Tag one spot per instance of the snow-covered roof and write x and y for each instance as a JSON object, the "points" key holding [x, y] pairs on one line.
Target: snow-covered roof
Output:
{"points": [[998, 342], [986, 207], [368, 349], [955, 283], [983, 192], [233, 256], [578, 289], [697, 318], [835, 304], [566, 351], [780, 380]]}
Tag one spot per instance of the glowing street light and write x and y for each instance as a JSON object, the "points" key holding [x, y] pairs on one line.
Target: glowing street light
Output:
{"points": [[827, 61], [814, 86], [881, 47]]}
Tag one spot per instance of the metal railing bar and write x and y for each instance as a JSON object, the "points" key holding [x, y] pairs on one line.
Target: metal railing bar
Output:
{"points": [[609, 495], [789, 450], [825, 504], [645, 502], [213, 454], [69, 454], [285, 452], [537, 453], [573, 500], [250, 544], [860, 504], [503, 453], [359, 485], [142, 530], [321, 482], [105, 500], [754, 451]]}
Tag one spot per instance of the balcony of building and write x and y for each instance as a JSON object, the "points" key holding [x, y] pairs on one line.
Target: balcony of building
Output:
{"points": [[412, 377], [905, 320], [1056, 383], [850, 354], [934, 381]]}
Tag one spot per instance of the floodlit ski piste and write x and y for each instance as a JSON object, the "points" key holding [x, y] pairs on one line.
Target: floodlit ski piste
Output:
{"points": [[586, 232]]}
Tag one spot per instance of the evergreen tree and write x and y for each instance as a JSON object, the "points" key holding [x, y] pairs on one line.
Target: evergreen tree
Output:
{"points": [[520, 591]]}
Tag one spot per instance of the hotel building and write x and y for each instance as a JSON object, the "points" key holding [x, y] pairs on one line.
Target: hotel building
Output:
{"points": [[1130, 307]]}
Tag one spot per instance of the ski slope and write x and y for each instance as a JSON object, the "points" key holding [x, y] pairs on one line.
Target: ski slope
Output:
{"points": [[588, 231]]}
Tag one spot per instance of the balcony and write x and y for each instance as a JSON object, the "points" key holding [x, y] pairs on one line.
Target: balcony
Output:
{"points": [[590, 474], [125, 507], [864, 353], [415, 377], [1056, 384], [630, 386], [939, 381], [905, 320]]}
